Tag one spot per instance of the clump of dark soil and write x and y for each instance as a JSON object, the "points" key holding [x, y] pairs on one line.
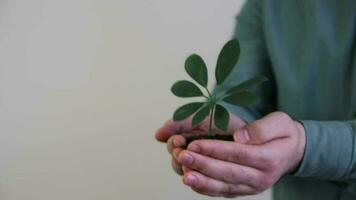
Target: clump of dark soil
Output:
{"points": [[192, 138]]}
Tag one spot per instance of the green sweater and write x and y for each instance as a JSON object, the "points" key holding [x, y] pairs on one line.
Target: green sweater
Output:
{"points": [[308, 50]]}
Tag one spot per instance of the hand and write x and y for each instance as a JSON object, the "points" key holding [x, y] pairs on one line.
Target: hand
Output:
{"points": [[173, 132], [263, 151]]}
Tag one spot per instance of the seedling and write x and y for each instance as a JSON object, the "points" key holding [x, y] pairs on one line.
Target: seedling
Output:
{"points": [[212, 106]]}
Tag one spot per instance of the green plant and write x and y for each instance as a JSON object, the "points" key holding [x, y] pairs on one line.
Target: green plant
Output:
{"points": [[238, 95]]}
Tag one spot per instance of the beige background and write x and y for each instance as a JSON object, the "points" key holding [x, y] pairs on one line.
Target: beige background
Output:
{"points": [[84, 85]]}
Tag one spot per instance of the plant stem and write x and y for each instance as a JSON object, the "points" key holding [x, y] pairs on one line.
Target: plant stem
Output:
{"points": [[211, 120], [210, 96], [211, 99]]}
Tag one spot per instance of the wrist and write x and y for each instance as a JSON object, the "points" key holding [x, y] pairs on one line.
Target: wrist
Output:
{"points": [[301, 143]]}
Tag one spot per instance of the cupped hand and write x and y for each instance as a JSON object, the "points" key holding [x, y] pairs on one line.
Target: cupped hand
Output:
{"points": [[263, 151], [173, 134]]}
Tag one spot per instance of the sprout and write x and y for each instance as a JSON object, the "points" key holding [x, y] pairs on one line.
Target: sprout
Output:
{"points": [[238, 95]]}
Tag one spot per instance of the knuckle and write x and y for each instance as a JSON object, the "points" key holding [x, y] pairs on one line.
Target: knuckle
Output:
{"points": [[201, 184], [272, 164], [199, 163], [264, 182], [229, 175], [191, 160], [257, 131], [236, 155], [255, 127], [196, 146], [208, 149], [282, 115], [230, 189]]}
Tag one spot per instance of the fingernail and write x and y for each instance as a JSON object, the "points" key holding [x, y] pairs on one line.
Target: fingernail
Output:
{"points": [[193, 147], [187, 159], [242, 136], [190, 180]]}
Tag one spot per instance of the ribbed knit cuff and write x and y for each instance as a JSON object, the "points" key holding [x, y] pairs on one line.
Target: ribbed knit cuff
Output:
{"points": [[330, 150]]}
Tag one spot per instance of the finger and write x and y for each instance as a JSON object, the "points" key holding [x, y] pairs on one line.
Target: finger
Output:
{"points": [[211, 187], [186, 169], [176, 166], [176, 141], [248, 155], [270, 127], [176, 152], [171, 128], [217, 169]]}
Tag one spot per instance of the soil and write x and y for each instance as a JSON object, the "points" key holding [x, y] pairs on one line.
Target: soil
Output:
{"points": [[191, 138]]}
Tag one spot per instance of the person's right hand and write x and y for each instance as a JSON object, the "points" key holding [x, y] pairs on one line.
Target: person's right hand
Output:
{"points": [[173, 134]]}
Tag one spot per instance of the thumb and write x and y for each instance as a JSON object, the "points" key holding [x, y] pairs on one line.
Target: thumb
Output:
{"points": [[273, 126], [171, 128], [242, 135]]}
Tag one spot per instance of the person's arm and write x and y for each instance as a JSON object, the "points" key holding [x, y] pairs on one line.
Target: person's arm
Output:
{"points": [[254, 60], [331, 146], [330, 152]]}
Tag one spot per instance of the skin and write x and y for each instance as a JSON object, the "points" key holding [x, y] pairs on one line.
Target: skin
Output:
{"points": [[261, 154]]}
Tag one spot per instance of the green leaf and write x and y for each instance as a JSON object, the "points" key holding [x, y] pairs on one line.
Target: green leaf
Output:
{"points": [[221, 117], [248, 85], [201, 115], [186, 89], [186, 110], [227, 59], [196, 68], [242, 98]]}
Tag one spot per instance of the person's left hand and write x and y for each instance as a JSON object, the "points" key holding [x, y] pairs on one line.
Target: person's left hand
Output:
{"points": [[263, 151], [173, 133]]}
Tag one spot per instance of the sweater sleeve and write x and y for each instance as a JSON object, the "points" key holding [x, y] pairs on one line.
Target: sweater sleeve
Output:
{"points": [[330, 152], [253, 61]]}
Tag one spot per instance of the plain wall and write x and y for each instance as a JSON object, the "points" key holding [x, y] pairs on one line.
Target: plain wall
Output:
{"points": [[84, 84]]}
